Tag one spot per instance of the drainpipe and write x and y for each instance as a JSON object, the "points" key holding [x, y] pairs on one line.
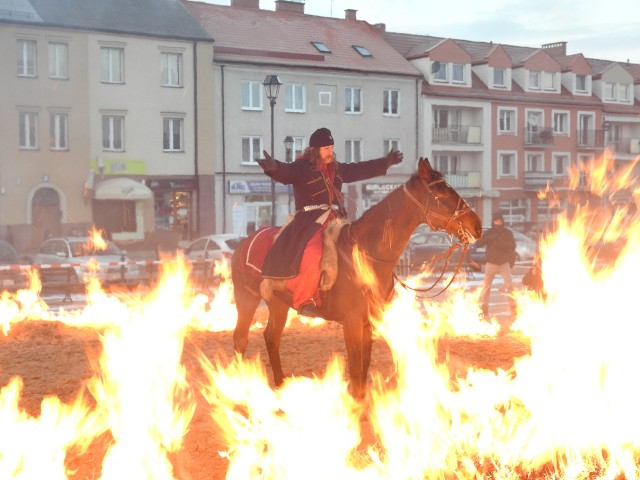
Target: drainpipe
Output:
{"points": [[224, 155], [418, 84], [195, 135]]}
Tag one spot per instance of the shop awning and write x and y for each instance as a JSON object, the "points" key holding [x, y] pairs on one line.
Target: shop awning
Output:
{"points": [[122, 189]]}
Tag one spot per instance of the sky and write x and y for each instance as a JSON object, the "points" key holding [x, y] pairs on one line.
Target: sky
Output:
{"points": [[603, 29]]}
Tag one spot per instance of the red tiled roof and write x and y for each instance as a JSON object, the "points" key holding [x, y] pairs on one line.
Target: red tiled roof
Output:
{"points": [[258, 36]]}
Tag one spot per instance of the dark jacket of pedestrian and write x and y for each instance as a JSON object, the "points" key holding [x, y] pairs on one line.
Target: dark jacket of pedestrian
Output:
{"points": [[500, 243]]}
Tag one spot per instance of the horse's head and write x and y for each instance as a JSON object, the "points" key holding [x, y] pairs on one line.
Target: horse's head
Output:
{"points": [[443, 208]]}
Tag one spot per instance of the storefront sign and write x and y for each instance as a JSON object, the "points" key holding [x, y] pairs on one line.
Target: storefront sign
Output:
{"points": [[125, 166], [377, 191], [178, 184], [263, 187]]}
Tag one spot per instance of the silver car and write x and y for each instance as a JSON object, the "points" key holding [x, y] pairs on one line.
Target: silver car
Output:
{"points": [[72, 259]]}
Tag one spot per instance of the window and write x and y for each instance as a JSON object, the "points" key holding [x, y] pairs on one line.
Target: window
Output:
{"points": [[113, 132], [499, 77], [58, 126], [28, 130], [506, 121], [534, 80], [447, 164], [170, 69], [548, 80], [610, 91], [251, 95], [390, 102], [172, 134], [623, 92], [294, 98], [324, 99], [251, 149], [561, 123], [506, 164], [458, 73], [388, 144], [353, 153], [581, 83], [58, 60], [321, 47], [560, 165], [298, 147], [112, 65], [362, 50], [534, 162], [26, 53], [439, 70], [352, 100]]}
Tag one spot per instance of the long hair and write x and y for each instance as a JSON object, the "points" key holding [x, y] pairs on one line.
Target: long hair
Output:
{"points": [[312, 155]]}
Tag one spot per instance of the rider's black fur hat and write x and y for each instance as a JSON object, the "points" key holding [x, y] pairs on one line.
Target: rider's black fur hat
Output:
{"points": [[321, 138]]}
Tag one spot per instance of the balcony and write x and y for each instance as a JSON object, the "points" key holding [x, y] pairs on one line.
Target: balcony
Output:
{"points": [[535, 181], [590, 139], [542, 137], [458, 134], [463, 180], [624, 145]]}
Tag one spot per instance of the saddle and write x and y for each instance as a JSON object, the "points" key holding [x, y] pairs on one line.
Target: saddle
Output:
{"points": [[328, 261]]}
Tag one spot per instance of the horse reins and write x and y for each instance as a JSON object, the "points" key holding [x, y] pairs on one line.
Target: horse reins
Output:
{"points": [[461, 208]]}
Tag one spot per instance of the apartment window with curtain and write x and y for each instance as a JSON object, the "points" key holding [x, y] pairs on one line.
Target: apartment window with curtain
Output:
{"points": [[457, 73], [534, 80], [548, 81], [507, 120], [506, 164], [388, 144], [352, 100], [440, 71], [58, 60], [251, 95], [171, 69], [26, 53], [447, 164], [499, 77], [560, 164], [561, 123], [28, 130], [113, 132], [353, 152], [58, 131], [390, 102], [294, 98], [172, 134], [534, 162], [610, 91], [251, 149], [112, 64]]}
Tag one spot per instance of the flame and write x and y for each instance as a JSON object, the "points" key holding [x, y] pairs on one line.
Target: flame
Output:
{"points": [[564, 409], [97, 241]]}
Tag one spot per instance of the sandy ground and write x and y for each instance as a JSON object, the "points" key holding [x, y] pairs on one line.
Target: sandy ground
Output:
{"points": [[54, 359]]}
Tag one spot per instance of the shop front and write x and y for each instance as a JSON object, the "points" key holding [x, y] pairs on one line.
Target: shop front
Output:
{"points": [[252, 204], [173, 205]]}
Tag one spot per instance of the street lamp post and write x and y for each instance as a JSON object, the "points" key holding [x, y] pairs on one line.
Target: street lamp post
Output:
{"points": [[272, 88], [288, 145]]}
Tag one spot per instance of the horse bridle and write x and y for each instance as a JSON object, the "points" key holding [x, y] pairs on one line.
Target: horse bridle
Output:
{"points": [[462, 208]]}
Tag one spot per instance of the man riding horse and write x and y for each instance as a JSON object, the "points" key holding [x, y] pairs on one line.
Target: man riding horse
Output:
{"points": [[317, 178]]}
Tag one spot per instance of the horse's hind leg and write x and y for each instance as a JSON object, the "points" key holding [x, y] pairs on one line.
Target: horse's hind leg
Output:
{"points": [[272, 334], [246, 303]]}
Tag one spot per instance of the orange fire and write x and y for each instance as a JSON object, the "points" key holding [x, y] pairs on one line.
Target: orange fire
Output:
{"points": [[566, 410]]}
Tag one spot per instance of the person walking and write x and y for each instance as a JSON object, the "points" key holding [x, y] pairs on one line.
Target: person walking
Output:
{"points": [[501, 255], [317, 179]]}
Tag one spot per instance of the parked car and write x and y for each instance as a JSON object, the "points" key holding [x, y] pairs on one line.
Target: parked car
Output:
{"points": [[203, 251], [429, 248], [526, 249], [73, 256], [11, 277]]}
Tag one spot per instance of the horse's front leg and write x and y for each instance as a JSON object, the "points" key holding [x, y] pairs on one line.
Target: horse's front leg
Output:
{"points": [[357, 340], [246, 305], [272, 334]]}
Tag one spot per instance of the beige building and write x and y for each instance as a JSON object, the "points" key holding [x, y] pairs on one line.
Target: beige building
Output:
{"points": [[101, 120]]}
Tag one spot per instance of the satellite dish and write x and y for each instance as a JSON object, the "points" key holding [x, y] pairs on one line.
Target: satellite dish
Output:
{"points": [[533, 120], [435, 67]]}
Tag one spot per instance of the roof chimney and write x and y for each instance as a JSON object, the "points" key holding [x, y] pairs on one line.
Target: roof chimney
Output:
{"points": [[380, 26], [557, 49], [255, 4], [290, 6], [350, 14]]}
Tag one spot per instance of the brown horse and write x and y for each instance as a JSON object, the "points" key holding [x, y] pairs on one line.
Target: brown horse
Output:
{"points": [[380, 235]]}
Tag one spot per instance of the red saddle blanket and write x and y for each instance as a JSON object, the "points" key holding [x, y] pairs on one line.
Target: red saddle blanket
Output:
{"points": [[256, 248]]}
